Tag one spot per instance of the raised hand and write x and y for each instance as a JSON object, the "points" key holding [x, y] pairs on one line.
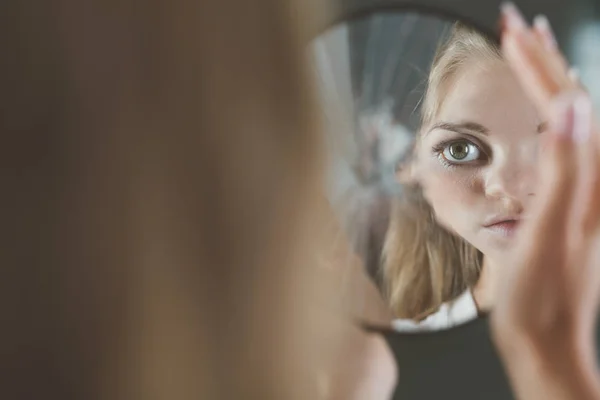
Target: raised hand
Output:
{"points": [[544, 320]]}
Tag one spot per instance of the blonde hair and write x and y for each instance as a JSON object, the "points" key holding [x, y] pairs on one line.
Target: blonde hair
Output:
{"points": [[161, 173], [424, 264]]}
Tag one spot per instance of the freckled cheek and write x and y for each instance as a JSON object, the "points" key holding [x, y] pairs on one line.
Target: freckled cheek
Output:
{"points": [[451, 187], [541, 147], [454, 199], [461, 183]]}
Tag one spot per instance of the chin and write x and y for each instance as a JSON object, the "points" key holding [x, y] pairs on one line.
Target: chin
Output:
{"points": [[498, 246]]}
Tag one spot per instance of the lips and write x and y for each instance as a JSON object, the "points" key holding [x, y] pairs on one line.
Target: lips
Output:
{"points": [[504, 227]]}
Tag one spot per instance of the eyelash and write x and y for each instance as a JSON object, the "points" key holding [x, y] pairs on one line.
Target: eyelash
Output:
{"points": [[439, 148]]}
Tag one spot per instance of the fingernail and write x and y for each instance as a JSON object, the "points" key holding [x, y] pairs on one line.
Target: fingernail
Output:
{"points": [[542, 25], [562, 117], [582, 118], [574, 75], [513, 18]]}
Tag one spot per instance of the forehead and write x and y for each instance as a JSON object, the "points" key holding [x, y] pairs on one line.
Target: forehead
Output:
{"points": [[488, 93]]}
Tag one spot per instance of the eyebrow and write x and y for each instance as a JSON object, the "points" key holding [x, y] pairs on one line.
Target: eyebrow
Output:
{"points": [[468, 126]]}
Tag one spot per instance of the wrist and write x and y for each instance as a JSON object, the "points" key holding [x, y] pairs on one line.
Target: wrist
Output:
{"points": [[563, 370]]}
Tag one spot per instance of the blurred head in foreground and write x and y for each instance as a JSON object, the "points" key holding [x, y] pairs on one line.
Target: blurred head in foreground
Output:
{"points": [[160, 171]]}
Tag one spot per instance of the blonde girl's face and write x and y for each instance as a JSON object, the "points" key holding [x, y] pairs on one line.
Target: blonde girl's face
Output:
{"points": [[476, 162]]}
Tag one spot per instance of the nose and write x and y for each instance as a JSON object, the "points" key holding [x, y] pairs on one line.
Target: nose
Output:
{"points": [[512, 181]]}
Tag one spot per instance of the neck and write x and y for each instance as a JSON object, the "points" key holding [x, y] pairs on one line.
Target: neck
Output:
{"points": [[483, 292]]}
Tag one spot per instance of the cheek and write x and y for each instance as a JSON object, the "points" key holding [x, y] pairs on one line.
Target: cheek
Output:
{"points": [[454, 185], [452, 193]]}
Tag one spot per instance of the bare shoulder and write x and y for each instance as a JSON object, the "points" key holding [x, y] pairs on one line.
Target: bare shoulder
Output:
{"points": [[379, 358], [366, 371]]}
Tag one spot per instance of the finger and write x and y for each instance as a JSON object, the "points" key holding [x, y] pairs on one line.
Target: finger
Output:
{"points": [[536, 82], [586, 207], [543, 31], [534, 58], [545, 35], [542, 34], [539, 80], [558, 173], [574, 75]]}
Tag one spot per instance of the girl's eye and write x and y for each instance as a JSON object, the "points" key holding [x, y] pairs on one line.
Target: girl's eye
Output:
{"points": [[461, 151]]}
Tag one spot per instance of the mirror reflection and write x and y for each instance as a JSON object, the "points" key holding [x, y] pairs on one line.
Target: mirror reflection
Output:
{"points": [[433, 147]]}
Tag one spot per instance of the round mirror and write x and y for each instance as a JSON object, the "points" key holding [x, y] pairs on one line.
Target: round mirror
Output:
{"points": [[416, 104], [433, 150]]}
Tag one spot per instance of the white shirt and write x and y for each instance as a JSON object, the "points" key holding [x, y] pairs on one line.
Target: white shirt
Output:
{"points": [[450, 314]]}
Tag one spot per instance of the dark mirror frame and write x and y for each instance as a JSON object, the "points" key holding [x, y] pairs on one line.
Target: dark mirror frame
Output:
{"points": [[443, 9], [437, 9]]}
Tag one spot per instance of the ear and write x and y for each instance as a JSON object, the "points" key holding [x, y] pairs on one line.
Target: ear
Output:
{"points": [[406, 169], [406, 173]]}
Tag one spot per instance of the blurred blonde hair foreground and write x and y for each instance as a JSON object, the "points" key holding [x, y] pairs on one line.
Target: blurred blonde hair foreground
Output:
{"points": [[161, 191]]}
